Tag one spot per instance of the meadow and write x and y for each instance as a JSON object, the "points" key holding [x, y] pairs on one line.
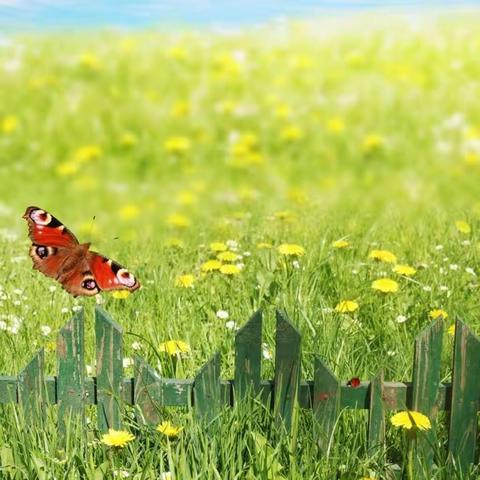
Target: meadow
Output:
{"points": [[324, 168]]}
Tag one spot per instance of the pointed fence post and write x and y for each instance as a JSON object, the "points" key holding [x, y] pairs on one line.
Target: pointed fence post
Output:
{"points": [[426, 383], [109, 371], [376, 414], [287, 371], [465, 397], [206, 390], [71, 372], [148, 392], [326, 404], [32, 393], [248, 357]]}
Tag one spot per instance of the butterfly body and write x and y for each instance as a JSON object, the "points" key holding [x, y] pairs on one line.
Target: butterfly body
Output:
{"points": [[56, 253]]}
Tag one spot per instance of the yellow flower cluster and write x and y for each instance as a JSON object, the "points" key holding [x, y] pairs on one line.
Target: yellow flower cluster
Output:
{"points": [[244, 151]]}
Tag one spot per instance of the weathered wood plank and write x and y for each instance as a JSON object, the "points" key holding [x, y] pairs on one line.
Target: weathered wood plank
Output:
{"points": [[248, 357], [32, 393], [109, 395], [425, 384], [465, 397], [376, 415], [287, 371], [326, 404], [71, 372], [206, 390], [148, 392]]}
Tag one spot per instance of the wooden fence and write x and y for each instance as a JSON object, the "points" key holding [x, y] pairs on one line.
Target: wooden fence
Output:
{"points": [[207, 393]]}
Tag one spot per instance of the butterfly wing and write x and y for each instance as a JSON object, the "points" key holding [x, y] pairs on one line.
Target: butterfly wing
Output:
{"points": [[45, 229], [110, 275]]}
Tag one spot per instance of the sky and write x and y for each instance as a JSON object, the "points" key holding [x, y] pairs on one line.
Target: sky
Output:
{"points": [[65, 14]]}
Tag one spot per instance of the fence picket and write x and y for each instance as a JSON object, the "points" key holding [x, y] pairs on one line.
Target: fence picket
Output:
{"points": [[376, 414], [206, 389], [465, 397], [148, 392], [109, 371], [32, 394], [326, 404], [426, 383], [71, 371], [248, 357], [287, 370]]}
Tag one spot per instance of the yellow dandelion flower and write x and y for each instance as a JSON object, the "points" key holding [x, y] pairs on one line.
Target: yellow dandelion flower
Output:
{"points": [[382, 256], [178, 220], [174, 242], [128, 140], [174, 347], [463, 227], [186, 198], [291, 249], [340, 244], [128, 212], [228, 256], [87, 153], [177, 144], [168, 429], [230, 269], [451, 330], [120, 294], [335, 125], [177, 52], [437, 313], [411, 419], [66, 169], [211, 265], [264, 245], [385, 285], [89, 61], [372, 142], [185, 281], [405, 270], [282, 111], [218, 246], [180, 109], [346, 306], [9, 124], [291, 133], [117, 438], [284, 215]]}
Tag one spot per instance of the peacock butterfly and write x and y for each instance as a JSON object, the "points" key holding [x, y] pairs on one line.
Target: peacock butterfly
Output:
{"points": [[57, 253]]}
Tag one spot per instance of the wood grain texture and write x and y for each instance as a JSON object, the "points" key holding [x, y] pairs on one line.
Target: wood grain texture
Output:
{"points": [[425, 384], [206, 390], [109, 381], [31, 388], [465, 397], [287, 371], [148, 392], [326, 404], [248, 357], [71, 372]]}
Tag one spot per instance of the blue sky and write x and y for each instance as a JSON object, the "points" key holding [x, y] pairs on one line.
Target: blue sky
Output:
{"points": [[47, 14]]}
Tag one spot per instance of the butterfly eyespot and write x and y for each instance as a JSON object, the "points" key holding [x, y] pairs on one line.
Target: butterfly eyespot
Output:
{"points": [[40, 217], [126, 278], [89, 284], [41, 251]]}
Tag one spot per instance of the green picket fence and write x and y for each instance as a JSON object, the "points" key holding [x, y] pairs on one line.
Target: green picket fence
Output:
{"points": [[207, 393]]}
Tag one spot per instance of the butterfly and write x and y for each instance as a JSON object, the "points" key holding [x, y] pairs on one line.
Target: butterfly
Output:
{"points": [[57, 253]]}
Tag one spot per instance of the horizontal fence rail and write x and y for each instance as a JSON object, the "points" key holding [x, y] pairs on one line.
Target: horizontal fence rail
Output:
{"points": [[71, 390]]}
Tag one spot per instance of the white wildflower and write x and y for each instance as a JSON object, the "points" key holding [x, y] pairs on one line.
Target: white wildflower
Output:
{"points": [[222, 314], [46, 330]]}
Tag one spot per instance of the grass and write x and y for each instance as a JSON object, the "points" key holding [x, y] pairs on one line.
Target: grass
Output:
{"points": [[283, 134]]}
